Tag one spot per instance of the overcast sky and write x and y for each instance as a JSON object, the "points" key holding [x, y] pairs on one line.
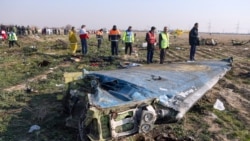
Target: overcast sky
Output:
{"points": [[212, 15]]}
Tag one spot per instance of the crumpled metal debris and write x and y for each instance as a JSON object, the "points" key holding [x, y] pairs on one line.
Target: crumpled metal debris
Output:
{"points": [[118, 103], [239, 43]]}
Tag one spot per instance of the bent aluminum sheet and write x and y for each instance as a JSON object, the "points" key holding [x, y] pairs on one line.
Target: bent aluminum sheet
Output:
{"points": [[176, 85]]}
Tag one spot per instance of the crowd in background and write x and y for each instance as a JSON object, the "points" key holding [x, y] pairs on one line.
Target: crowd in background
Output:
{"points": [[114, 35], [32, 30], [19, 30]]}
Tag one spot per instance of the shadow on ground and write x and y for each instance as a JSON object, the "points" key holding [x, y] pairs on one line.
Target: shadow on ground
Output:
{"points": [[43, 110]]}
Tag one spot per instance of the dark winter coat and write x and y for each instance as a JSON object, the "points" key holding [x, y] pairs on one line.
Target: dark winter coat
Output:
{"points": [[193, 36]]}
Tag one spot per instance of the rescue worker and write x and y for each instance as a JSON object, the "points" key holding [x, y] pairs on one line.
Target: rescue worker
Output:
{"points": [[12, 39], [114, 37], [163, 43], [151, 42], [73, 40], [128, 38], [84, 36], [193, 41], [99, 37]]}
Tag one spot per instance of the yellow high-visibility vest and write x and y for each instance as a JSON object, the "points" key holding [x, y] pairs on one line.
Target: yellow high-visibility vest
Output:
{"points": [[165, 40], [128, 37]]}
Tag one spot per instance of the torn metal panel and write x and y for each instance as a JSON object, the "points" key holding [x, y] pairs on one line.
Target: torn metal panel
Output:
{"points": [[118, 103], [174, 85]]}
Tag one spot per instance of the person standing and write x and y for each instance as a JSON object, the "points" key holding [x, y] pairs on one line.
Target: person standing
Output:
{"points": [[99, 37], [73, 40], [114, 37], [163, 43], [128, 38], [84, 36], [3, 34], [193, 41], [151, 41], [12, 39]]}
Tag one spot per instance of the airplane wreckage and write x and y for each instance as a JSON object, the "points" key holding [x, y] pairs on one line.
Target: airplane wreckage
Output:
{"points": [[108, 105], [239, 43]]}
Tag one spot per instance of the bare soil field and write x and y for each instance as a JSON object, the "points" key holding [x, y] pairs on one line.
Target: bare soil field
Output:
{"points": [[19, 109]]}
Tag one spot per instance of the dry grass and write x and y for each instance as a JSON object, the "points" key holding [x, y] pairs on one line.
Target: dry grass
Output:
{"points": [[20, 110]]}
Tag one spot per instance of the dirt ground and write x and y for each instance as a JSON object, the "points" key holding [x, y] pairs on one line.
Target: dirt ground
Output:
{"points": [[233, 90]]}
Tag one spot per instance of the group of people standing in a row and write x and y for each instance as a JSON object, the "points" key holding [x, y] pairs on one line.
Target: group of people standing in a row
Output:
{"points": [[114, 36], [20, 30], [164, 43], [151, 43]]}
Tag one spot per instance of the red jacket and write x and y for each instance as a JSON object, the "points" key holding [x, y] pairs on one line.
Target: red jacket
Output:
{"points": [[84, 36], [4, 34], [151, 38]]}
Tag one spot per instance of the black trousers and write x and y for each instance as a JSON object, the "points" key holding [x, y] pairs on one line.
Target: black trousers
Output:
{"points": [[128, 46], [162, 55], [192, 52], [150, 53], [99, 43], [114, 47], [12, 43]]}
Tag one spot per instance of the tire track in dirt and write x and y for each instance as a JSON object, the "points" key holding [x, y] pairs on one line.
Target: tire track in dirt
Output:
{"points": [[233, 51], [232, 102], [22, 86], [238, 102], [204, 54], [223, 52], [171, 55], [242, 68], [216, 53], [177, 55], [235, 99], [240, 77]]}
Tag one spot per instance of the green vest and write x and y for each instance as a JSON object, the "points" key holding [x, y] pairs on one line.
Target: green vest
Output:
{"points": [[165, 40], [128, 37], [12, 36]]}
